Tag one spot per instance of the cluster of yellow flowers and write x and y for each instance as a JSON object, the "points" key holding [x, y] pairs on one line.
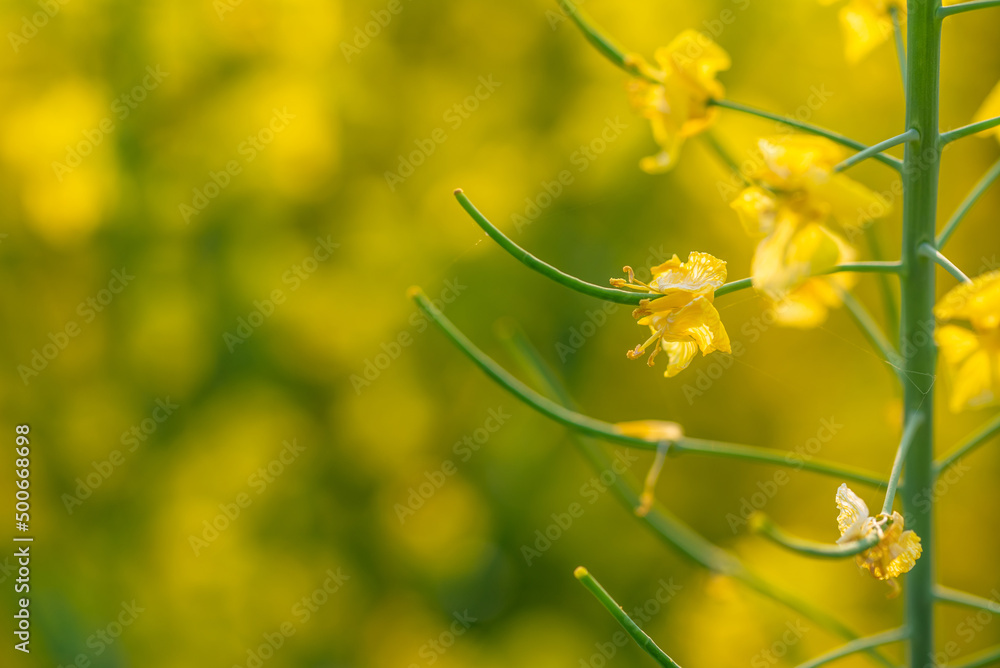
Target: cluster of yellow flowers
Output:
{"points": [[796, 204], [794, 207], [799, 208]]}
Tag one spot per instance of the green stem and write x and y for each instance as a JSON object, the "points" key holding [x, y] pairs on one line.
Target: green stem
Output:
{"points": [[610, 432], [607, 46], [855, 646], [897, 466], [764, 525], [637, 634], [921, 166], [877, 149], [972, 442], [838, 138], [872, 332], [928, 250], [966, 130], [734, 286], [547, 270], [971, 198], [949, 595], [951, 10], [665, 524]]}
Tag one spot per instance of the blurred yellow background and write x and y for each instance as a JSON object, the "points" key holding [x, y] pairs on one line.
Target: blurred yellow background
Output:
{"points": [[212, 212]]}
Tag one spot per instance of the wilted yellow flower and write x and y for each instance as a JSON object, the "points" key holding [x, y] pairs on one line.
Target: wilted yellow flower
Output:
{"points": [[677, 105], [895, 553], [990, 109], [867, 24], [652, 430], [684, 319], [665, 433], [794, 205], [969, 338]]}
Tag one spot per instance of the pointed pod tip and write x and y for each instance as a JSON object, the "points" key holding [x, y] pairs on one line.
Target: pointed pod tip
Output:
{"points": [[580, 573], [457, 192], [414, 291]]}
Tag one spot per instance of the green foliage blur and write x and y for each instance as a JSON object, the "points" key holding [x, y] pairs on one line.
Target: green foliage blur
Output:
{"points": [[267, 180]]}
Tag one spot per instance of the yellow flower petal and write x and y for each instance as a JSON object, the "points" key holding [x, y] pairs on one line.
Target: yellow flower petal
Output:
{"points": [[701, 274], [789, 160], [969, 339], [976, 381], [694, 56], [865, 28], [792, 253], [896, 552], [977, 302], [679, 356], [801, 307], [700, 321], [956, 343], [757, 210], [851, 204], [853, 514]]}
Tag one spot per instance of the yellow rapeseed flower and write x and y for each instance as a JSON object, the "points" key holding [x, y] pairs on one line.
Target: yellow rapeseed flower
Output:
{"points": [[684, 319], [990, 109], [794, 206], [677, 104], [867, 24], [969, 338], [896, 551]]}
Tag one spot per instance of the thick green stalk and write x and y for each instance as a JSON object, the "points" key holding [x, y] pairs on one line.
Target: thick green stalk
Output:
{"points": [[921, 166]]}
